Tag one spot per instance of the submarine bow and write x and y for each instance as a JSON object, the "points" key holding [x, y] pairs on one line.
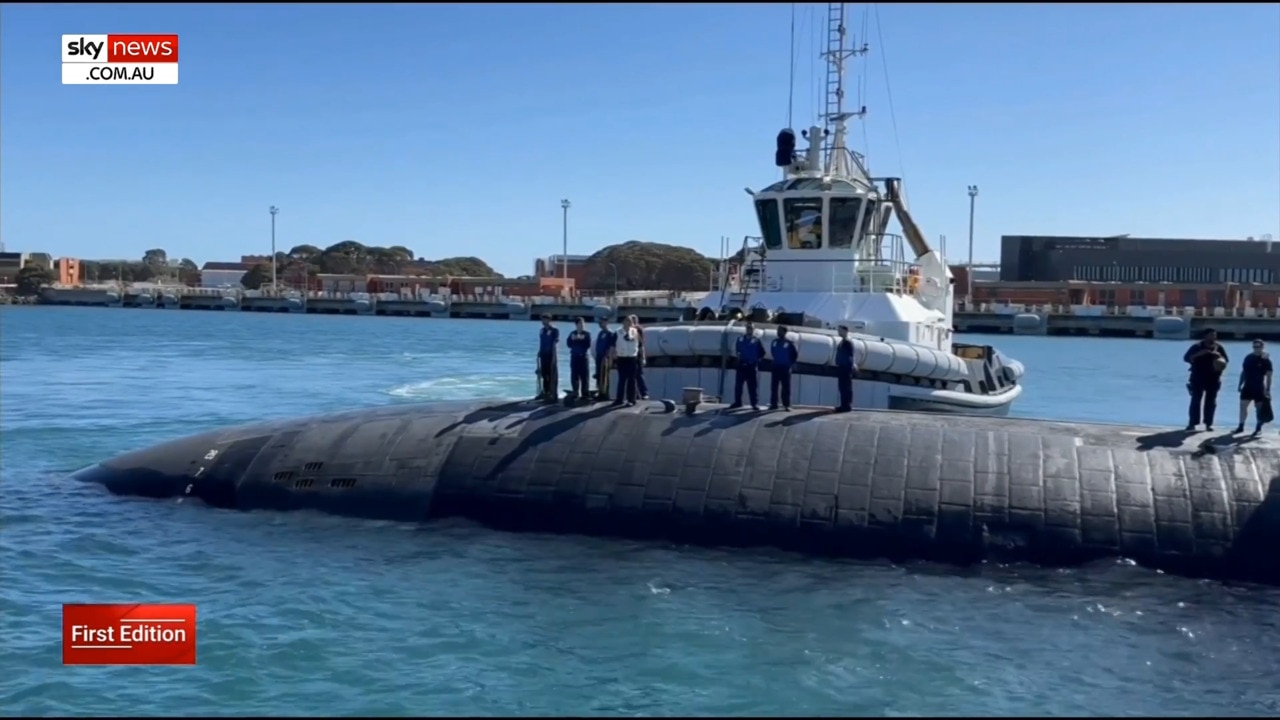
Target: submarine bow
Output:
{"points": [[862, 484]]}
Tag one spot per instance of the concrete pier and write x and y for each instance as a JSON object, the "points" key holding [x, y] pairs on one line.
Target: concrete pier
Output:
{"points": [[1144, 322], [649, 310]]}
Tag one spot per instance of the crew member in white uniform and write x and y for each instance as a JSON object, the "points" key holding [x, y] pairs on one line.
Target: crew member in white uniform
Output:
{"points": [[626, 359]]}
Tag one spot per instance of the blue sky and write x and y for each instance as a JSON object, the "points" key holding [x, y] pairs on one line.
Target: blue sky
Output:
{"points": [[457, 129]]}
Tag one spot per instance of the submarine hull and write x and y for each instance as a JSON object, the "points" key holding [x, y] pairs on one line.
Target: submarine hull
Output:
{"points": [[862, 484]]}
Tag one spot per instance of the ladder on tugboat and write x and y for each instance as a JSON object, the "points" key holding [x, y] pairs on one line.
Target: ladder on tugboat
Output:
{"points": [[750, 277]]}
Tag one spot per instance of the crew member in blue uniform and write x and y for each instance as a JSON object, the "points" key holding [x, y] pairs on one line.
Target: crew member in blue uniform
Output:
{"points": [[1207, 360], [1255, 387], [641, 386], [579, 344], [846, 369], [604, 344], [548, 340], [784, 355], [626, 355], [750, 352]]}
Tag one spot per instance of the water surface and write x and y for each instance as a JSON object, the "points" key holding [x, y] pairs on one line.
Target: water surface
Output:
{"points": [[306, 614]]}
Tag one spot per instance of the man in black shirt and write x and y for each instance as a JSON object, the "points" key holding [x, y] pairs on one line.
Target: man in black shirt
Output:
{"points": [[1207, 360], [1255, 387]]}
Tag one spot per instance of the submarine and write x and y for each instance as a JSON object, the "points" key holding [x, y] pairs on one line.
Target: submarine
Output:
{"points": [[864, 484]]}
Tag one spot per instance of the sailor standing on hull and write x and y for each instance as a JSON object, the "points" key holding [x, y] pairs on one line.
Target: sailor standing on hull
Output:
{"points": [[626, 353], [846, 369], [1255, 387], [548, 373], [750, 351], [579, 344], [784, 355], [641, 386], [604, 346], [1207, 360]]}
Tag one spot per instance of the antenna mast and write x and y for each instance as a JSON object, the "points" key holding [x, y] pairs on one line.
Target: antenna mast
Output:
{"points": [[837, 153]]}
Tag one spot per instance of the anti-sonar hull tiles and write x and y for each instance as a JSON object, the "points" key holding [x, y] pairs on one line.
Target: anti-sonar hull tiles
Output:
{"points": [[862, 484]]}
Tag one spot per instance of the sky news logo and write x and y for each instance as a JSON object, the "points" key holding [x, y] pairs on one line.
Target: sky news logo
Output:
{"points": [[119, 59]]}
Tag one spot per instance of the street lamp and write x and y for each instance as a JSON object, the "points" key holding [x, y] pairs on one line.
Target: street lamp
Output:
{"points": [[973, 199], [564, 252], [615, 281], [273, 210]]}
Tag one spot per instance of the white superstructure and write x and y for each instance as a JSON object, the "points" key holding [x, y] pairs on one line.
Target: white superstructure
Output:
{"points": [[824, 258]]}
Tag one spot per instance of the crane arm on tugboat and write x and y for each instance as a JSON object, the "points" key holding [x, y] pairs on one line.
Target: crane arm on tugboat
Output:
{"points": [[915, 238]]}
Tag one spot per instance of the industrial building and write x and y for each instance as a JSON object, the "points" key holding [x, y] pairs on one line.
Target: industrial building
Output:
{"points": [[555, 266], [1124, 259]]}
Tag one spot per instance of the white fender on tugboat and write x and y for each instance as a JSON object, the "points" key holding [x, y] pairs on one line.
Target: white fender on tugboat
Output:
{"points": [[815, 347]]}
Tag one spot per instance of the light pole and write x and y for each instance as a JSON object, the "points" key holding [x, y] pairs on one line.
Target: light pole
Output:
{"points": [[564, 252], [273, 210], [615, 281], [973, 199]]}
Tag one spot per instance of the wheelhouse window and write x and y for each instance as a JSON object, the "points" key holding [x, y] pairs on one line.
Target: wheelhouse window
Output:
{"points": [[869, 222], [770, 223], [804, 223], [843, 227]]}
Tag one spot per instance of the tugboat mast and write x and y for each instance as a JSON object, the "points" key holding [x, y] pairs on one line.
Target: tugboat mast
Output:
{"points": [[838, 158]]}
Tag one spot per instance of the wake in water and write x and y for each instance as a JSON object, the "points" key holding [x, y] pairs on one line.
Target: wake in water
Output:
{"points": [[509, 387]]}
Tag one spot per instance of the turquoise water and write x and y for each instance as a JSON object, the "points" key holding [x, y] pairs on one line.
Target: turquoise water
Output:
{"points": [[305, 614]]}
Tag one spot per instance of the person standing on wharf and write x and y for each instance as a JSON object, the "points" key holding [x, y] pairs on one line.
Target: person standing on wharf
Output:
{"points": [[1207, 360]]}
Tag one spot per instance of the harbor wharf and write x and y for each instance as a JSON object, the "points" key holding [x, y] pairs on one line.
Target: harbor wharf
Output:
{"points": [[649, 307], [1162, 323], [1168, 323]]}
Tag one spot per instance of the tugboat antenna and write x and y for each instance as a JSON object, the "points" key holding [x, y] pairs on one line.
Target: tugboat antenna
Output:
{"points": [[835, 118], [791, 86]]}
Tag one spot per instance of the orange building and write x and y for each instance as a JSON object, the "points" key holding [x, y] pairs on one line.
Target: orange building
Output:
{"points": [[554, 267], [67, 271]]}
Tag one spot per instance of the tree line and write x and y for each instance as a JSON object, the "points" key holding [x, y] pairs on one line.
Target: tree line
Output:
{"points": [[350, 257], [632, 265]]}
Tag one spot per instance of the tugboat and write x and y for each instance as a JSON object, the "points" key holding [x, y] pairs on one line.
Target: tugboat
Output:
{"points": [[823, 259]]}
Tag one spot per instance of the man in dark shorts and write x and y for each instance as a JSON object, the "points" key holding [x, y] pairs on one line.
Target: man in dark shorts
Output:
{"points": [[1255, 387], [1207, 360]]}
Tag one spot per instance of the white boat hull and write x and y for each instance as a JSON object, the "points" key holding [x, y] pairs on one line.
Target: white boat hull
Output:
{"points": [[669, 383], [892, 374]]}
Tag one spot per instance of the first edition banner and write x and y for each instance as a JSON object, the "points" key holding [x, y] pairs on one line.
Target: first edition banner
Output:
{"points": [[128, 634]]}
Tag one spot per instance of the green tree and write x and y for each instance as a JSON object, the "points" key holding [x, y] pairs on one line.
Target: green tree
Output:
{"points": [[648, 266], [257, 276], [466, 266], [155, 257], [108, 271], [306, 253], [32, 279], [188, 272], [346, 257]]}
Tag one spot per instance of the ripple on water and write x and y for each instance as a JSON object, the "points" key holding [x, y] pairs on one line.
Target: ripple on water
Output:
{"points": [[305, 614]]}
